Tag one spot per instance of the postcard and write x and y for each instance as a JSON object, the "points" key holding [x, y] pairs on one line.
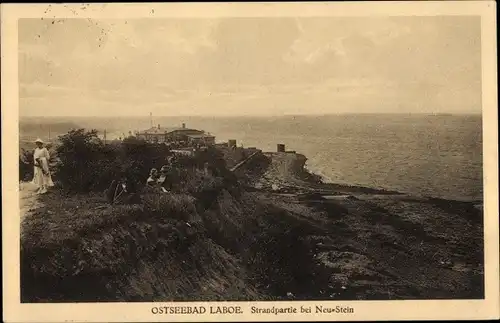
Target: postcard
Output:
{"points": [[322, 161]]}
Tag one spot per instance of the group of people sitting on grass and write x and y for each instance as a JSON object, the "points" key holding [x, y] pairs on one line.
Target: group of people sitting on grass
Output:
{"points": [[160, 179], [123, 190]]}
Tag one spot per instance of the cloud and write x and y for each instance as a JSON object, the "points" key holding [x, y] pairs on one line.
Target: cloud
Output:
{"points": [[250, 65]]}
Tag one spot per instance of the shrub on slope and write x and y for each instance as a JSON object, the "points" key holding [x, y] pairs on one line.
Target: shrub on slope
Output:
{"points": [[26, 164]]}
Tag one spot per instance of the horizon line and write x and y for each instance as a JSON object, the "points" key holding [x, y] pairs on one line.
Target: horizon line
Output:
{"points": [[256, 115]]}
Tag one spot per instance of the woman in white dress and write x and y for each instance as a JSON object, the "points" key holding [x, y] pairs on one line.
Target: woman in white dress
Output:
{"points": [[41, 178]]}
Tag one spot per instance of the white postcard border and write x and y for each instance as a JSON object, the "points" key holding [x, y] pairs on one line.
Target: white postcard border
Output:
{"points": [[14, 311]]}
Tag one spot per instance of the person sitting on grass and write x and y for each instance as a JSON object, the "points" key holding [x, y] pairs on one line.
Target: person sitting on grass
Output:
{"points": [[165, 180], [116, 190], [153, 178], [122, 191], [162, 179]]}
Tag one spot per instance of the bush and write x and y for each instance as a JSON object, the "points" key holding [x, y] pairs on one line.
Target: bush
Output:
{"points": [[85, 163], [25, 165], [140, 156]]}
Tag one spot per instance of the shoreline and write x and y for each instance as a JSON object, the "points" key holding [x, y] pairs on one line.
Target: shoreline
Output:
{"points": [[321, 183], [327, 180]]}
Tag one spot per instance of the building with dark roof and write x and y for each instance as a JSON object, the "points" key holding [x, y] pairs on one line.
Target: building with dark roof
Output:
{"points": [[176, 135]]}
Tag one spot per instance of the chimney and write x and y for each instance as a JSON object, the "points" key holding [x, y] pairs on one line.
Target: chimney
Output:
{"points": [[183, 126]]}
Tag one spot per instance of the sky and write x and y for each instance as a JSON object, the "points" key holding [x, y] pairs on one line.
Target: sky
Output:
{"points": [[249, 66]]}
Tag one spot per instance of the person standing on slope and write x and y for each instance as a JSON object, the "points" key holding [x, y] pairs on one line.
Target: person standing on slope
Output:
{"points": [[42, 178]]}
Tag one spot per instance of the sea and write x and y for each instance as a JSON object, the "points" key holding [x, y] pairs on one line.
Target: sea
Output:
{"points": [[423, 155]]}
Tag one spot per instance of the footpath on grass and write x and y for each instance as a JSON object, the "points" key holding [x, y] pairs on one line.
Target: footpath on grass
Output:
{"points": [[28, 199]]}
